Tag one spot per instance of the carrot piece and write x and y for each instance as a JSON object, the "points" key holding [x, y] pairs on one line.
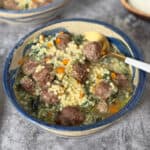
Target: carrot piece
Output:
{"points": [[81, 94], [60, 70], [113, 75], [34, 0], [65, 61], [114, 108], [58, 40], [49, 44]]}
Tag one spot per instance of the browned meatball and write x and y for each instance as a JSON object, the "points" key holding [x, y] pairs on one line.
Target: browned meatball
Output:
{"points": [[103, 90], [29, 67], [62, 40], [10, 4], [80, 72], [92, 51], [70, 116], [43, 77], [121, 81], [27, 84], [49, 97]]}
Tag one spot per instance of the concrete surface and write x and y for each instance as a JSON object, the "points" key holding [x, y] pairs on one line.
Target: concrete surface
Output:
{"points": [[132, 132]]}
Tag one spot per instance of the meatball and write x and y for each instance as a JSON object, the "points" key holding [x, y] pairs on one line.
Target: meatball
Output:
{"points": [[43, 77], [10, 4], [80, 72], [103, 90], [70, 116], [62, 40], [48, 97], [121, 81], [29, 67], [27, 84], [92, 51], [102, 107]]}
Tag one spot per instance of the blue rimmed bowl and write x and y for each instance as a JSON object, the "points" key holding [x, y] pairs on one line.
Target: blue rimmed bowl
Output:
{"points": [[34, 16], [115, 36]]}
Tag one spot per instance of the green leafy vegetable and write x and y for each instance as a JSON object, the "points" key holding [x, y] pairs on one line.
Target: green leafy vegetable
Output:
{"points": [[26, 6], [34, 104], [78, 39]]}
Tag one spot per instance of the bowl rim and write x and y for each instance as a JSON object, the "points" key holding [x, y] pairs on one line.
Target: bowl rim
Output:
{"points": [[134, 10], [48, 7], [132, 103]]}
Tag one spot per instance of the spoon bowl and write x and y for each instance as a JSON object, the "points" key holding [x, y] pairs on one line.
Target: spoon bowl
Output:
{"points": [[130, 61]]}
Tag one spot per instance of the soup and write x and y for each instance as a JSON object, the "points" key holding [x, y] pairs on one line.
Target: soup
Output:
{"points": [[64, 79], [24, 4]]}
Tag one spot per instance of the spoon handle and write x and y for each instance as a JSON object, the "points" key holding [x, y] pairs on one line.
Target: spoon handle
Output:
{"points": [[138, 64]]}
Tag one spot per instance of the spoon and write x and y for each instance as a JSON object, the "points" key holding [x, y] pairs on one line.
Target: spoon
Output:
{"points": [[95, 36], [130, 61]]}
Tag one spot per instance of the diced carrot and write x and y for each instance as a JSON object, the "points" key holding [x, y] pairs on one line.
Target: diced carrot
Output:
{"points": [[49, 44], [113, 75], [34, 0], [81, 94], [60, 70], [114, 108], [58, 40], [65, 61]]}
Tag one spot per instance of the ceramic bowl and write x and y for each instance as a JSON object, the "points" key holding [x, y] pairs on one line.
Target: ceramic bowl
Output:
{"points": [[34, 16], [135, 11], [115, 36]]}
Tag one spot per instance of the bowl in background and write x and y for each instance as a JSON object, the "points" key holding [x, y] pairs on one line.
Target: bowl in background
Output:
{"points": [[34, 16], [76, 26], [134, 10]]}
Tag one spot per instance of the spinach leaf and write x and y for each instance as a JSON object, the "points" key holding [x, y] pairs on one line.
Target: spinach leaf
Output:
{"points": [[26, 6], [34, 104], [78, 39]]}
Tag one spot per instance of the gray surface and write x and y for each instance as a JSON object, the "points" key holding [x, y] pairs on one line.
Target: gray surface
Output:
{"points": [[132, 132]]}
